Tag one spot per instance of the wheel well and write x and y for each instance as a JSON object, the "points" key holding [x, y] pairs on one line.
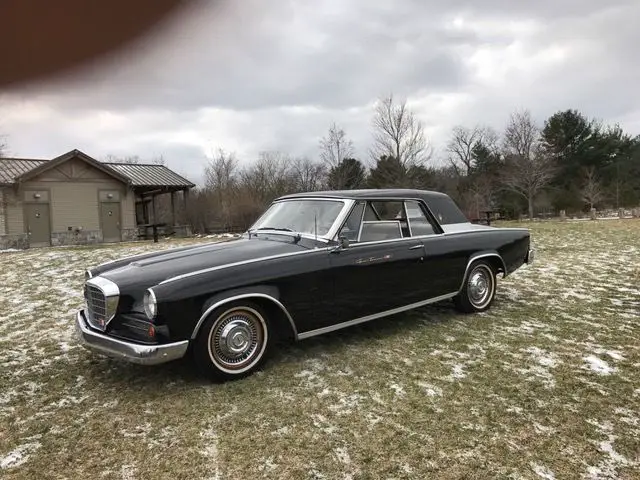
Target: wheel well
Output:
{"points": [[493, 259], [278, 318], [497, 264]]}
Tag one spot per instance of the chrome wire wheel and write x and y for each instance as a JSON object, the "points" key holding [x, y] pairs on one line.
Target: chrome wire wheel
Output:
{"points": [[480, 286], [237, 340]]}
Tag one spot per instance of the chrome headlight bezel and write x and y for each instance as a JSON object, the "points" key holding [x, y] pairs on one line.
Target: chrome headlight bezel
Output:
{"points": [[150, 304]]}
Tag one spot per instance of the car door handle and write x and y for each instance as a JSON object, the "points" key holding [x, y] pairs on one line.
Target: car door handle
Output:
{"points": [[415, 247]]}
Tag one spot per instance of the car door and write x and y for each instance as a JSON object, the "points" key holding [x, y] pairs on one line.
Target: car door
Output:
{"points": [[444, 256], [381, 268]]}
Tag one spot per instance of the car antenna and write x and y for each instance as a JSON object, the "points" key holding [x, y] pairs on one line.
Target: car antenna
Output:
{"points": [[315, 224]]}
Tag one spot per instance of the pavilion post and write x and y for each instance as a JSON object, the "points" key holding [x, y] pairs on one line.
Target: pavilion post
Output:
{"points": [[173, 209]]}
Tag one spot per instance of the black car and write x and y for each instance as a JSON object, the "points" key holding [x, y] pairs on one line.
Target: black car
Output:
{"points": [[312, 263]]}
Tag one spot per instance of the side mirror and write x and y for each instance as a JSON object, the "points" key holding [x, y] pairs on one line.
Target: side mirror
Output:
{"points": [[343, 243]]}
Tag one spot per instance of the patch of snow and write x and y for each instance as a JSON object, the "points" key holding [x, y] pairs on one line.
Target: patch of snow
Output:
{"points": [[18, 456], [542, 471], [544, 358], [127, 472], [321, 422], [430, 390], [457, 373], [616, 355], [398, 389], [375, 396], [324, 393], [346, 404], [598, 365], [210, 450], [542, 429], [343, 455], [281, 431]]}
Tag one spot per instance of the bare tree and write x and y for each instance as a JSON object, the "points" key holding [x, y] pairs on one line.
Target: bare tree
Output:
{"points": [[528, 168], [220, 172], [528, 176], [221, 181], [335, 146], [159, 160], [111, 158], [308, 175], [592, 192], [4, 147], [269, 177], [522, 135], [399, 134], [461, 146]]}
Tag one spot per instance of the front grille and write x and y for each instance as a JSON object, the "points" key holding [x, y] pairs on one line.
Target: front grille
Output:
{"points": [[102, 298], [97, 306]]}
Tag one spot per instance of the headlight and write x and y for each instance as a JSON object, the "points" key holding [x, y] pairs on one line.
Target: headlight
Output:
{"points": [[150, 305], [87, 275]]}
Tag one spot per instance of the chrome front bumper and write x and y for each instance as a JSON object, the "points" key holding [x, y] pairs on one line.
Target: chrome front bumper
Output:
{"points": [[129, 351]]}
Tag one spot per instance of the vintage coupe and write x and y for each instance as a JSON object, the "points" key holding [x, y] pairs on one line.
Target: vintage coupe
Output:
{"points": [[312, 263]]}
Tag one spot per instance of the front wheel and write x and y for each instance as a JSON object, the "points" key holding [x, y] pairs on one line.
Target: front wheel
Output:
{"points": [[479, 288], [233, 342]]}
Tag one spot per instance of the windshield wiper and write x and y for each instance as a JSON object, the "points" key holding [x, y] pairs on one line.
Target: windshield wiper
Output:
{"points": [[279, 229], [296, 236]]}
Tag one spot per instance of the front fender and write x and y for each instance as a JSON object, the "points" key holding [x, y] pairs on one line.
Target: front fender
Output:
{"points": [[264, 292]]}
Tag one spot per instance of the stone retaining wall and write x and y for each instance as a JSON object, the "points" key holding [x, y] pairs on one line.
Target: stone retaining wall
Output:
{"points": [[76, 237], [2, 210], [19, 242]]}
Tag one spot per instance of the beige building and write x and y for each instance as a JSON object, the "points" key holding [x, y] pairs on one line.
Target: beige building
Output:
{"points": [[75, 199]]}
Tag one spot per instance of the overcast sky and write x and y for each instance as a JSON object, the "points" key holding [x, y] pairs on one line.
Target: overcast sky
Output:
{"points": [[254, 75]]}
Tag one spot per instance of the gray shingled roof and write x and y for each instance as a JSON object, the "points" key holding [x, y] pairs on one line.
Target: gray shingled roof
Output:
{"points": [[140, 175], [150, 175], [11, 168]]}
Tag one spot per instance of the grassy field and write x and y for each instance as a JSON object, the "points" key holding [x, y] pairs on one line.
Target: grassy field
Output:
{"points": [[544, 385]]}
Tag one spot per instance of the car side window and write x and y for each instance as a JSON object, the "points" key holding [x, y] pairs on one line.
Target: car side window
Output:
{"points": [[380, 230], [419, 224], [351, 227], [391, 211]]}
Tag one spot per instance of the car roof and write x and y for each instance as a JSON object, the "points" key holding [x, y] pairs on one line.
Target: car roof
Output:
{"points": [[369, 193]]}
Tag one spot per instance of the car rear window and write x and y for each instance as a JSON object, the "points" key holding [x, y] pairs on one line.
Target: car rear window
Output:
{"points": [[446, 211]]}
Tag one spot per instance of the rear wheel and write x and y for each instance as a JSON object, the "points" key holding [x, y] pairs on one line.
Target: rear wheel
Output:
{"points": [[479, 289], [233, 342]]}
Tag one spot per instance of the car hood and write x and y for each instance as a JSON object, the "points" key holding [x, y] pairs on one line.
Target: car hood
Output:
{"points": [[133, 275]]}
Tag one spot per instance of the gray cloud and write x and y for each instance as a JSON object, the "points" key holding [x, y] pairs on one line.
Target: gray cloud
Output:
{"points": [[256, 75]]}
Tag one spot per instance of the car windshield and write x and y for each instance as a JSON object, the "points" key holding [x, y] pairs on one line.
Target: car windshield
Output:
{"points": [[300, 216]]}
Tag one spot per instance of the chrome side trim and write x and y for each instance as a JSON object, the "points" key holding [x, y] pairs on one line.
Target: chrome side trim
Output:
{"points": [[468, 227], [237, 264], [204, 316], [129, 351], [338, 326], [283, 255], [476, 257]]}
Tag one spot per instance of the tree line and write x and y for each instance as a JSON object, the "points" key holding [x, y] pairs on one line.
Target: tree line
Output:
{"points": [[569, 162]]}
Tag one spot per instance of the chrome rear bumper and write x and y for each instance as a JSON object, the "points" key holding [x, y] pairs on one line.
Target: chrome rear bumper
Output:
{"points": [[129, 351], [531, 254]]}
